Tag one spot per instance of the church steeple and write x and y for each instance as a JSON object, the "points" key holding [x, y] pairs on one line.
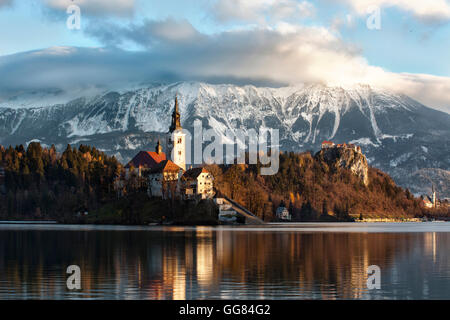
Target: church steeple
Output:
{"points": [[158, 147], [176, 139], [176, 123]]}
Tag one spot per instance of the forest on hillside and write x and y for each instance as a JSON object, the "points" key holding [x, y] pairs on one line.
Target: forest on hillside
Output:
{"points": [[313, 190], [41, 183]]}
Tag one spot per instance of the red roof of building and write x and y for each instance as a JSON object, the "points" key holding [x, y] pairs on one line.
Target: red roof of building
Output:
{"points": [[327, 142], [165, 166], [146, 159]]}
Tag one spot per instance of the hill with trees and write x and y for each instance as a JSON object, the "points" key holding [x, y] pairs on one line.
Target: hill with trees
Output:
{"points": [[315, 188], [41, 183]]}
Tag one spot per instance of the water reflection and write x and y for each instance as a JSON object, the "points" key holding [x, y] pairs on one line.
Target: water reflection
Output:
{"points": [[216, 263]]}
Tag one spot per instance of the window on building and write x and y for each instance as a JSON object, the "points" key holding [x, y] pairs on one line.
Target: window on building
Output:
{"points": [[180, 140]]}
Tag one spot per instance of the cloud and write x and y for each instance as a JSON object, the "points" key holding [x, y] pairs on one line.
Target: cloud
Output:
{"points": [[96, 7], [262, 11], [428, 11], [339, 22], [285, 54], [149, 33], [173, 50], [4, 3], [433, 91]]}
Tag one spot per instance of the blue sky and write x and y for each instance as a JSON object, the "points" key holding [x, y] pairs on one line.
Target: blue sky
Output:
{"points": [[261, 42]]}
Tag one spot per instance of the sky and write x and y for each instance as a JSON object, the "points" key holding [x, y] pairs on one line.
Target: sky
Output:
{"points": [[400, 45]]}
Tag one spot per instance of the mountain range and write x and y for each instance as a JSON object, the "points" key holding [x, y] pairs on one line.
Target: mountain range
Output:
{"points": [[397, 134]]}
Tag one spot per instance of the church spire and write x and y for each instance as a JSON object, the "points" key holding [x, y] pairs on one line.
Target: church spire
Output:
{"points": [[176, 139], [176, 103], [158, 147], [176, 123]]}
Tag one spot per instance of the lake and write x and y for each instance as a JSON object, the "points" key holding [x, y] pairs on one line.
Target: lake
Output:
{"points": [[276, 261]]}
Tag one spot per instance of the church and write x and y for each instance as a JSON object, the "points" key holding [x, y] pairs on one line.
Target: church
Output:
{"points": [[168, 178]]}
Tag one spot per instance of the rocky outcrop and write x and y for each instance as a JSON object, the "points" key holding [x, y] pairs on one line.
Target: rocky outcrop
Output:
{"points": [[348, 158]]}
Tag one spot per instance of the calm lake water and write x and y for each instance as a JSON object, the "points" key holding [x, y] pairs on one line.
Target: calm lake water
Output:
{"points": [[299, 261]]}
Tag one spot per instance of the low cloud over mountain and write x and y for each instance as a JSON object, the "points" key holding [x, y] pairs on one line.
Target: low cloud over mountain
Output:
{"points": [[175, 50]]}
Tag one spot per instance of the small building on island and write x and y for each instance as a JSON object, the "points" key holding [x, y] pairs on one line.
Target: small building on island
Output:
{"points": [[282, 213]]}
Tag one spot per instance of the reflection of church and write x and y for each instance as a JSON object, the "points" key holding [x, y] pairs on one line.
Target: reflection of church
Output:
{"points": [[169, 177]]}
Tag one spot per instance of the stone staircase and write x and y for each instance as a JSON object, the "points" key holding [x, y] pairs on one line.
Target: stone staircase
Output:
{"points": [[229, 211]]}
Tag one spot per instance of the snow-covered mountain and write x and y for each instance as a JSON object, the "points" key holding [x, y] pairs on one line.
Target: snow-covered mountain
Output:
{"points": [[398, 134]]}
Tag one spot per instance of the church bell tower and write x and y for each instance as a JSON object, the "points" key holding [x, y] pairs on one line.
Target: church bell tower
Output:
{"points": [[176, 139], [433, 196]]}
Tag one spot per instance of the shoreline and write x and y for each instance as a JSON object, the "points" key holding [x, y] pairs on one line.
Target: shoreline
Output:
{"points": [[374, 220], [29, 222]]}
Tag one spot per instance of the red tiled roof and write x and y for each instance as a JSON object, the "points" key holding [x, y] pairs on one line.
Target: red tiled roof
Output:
{"points": [[165, 166], [146, 159], [327, 142]]}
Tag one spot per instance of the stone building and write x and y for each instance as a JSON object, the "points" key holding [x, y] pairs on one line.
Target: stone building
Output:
{"points": [[197, 182]]}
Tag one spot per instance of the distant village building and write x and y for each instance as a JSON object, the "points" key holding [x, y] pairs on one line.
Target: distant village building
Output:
{"points": [[328, 144], [145, 161], [282, 213], [427, 202], [433, 197], [197, 182], [430, 201]]}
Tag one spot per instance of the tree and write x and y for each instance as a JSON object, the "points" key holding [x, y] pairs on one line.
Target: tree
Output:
{"points": [[325, 208]]}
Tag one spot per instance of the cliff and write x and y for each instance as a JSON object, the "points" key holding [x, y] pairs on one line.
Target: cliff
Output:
{"points": [[346, 157]]}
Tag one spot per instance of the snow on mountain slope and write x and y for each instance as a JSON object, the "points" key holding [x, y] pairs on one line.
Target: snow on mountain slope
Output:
{"points": [[391, 128], [148, 109]]}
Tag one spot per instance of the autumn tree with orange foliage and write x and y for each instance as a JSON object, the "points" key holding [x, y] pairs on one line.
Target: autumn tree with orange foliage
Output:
{"points": [[315, 191]]}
